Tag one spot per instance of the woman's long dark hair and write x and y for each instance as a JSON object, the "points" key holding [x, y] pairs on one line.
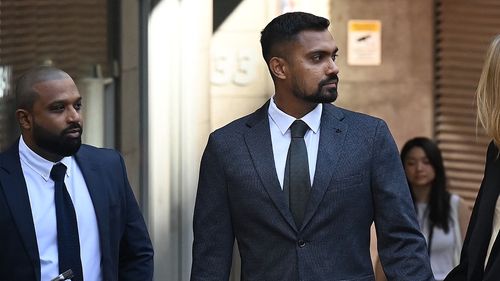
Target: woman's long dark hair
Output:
{"points": [[439, 198]]}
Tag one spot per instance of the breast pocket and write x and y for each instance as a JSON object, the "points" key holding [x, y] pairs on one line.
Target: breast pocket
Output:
{"points": [[345, 183]]}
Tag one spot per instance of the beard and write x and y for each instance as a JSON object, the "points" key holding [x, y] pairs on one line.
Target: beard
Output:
{"points": [[59, 144], [322, 95]]}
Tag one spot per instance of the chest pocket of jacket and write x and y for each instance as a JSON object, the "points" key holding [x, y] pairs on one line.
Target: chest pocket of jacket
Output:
{"points": [[345, 183]]}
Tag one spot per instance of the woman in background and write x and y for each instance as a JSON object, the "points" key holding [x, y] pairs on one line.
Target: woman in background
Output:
{"points": [[480, 259], [443, 217]]}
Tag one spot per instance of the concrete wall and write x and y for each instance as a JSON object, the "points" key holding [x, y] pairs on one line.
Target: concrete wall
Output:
{"points": [[178, 118], [400, 90], [130, 94], [239, 79]]}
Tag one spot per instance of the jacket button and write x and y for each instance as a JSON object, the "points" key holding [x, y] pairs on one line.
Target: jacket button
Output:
{"points": [[301, 243]]}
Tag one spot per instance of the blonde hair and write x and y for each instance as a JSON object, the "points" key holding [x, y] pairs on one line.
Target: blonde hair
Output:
{"points": [[488, 92]]}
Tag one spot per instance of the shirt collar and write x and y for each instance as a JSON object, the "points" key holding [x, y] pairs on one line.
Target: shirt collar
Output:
{"points": [[283, 121], [39, 164]]}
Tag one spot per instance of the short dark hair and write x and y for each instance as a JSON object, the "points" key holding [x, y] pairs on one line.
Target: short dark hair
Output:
{"points": [[439, 201], [285, 28], [25, 94]]}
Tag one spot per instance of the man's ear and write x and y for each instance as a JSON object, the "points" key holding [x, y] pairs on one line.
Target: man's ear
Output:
{"points": [[278, 67], [25, 119]]}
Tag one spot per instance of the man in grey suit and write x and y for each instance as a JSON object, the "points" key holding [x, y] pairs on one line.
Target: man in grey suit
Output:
{"points": [[299, 182]]}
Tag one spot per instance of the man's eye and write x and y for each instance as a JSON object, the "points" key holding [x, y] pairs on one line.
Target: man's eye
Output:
{"points": [[57, 108], [316, 57], [78, 106], [334, 57]]}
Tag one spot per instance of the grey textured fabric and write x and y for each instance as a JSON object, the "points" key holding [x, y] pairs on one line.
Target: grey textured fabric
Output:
{"points": [[358, 180]]}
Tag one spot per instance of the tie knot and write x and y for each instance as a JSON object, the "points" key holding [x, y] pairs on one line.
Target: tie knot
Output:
{"points": [[58, 171], [298, 129]]}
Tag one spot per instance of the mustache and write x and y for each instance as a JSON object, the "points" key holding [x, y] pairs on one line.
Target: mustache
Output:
{"points": [[330, 80], [71, 127]]}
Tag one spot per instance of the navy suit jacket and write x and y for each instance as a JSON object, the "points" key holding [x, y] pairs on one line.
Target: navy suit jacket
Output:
{"points": [[126, 249], [359, 179], [477, 239]]}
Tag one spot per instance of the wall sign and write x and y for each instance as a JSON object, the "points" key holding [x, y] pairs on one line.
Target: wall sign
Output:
{"points": [[364, 46]]}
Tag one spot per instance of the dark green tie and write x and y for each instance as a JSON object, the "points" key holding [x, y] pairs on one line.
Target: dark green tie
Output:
{"points": [[297, 168]]}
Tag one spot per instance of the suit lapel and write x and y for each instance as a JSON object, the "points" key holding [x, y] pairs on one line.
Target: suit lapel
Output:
{"points": [[332, 135], [484, 226], [258, 141], [16, 193], [91, 173], [481, 234]]}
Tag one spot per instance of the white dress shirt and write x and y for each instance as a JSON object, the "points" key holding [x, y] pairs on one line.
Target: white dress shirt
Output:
{"points": [[40, 186], [279, 123], [495, 230]]}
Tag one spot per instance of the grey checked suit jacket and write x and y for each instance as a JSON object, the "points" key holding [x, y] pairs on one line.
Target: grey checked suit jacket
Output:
{"points": [[359, 179]]}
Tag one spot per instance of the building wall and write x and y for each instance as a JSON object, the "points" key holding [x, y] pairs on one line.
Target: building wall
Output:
{"points": [[129, 93], [178, 120], [400, 90]]}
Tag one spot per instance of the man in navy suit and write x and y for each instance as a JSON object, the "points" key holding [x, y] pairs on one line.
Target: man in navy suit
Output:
{"points": [[310, 223], [109, 239]]}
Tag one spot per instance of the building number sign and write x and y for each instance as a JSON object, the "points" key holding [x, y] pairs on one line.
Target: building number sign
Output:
{"points": [[238, 68]]}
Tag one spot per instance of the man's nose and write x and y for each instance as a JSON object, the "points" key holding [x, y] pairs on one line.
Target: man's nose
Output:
{"points": [[332, 69], [73, 115]]}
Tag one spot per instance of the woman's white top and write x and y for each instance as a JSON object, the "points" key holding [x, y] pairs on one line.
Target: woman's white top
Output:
{"points": [[445, 247]]}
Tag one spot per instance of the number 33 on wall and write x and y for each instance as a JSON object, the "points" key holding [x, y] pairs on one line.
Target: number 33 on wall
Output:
{"points": [[237, 68]]}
